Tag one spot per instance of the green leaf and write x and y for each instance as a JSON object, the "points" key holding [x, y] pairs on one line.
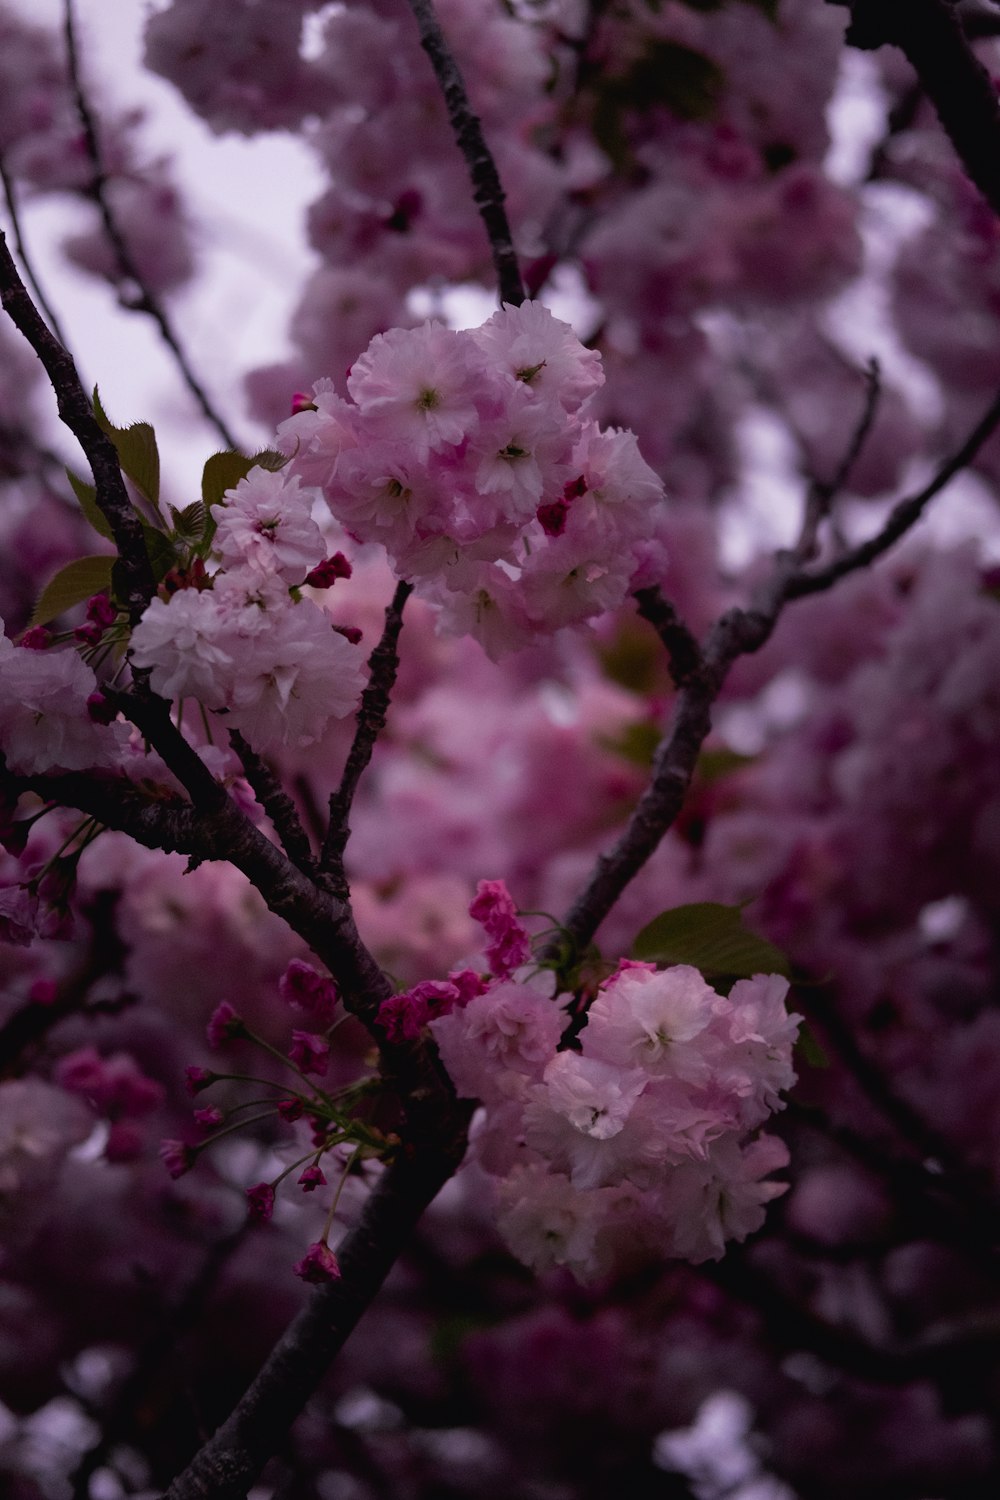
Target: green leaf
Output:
{"points": [[667, 76], [73, 584], [808, 1048], [137, 451], [191, 522], [636, 743], [270, 459], [223, 471], [86, 494], [160, 550], [713, 765], [712, 938]]}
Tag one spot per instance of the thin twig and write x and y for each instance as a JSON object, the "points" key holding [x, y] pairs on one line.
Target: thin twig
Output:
{"points": [[22, 250], [487, 190], [903, 516], [76, 412], [739, 632], [276, 803], [382, 667], [146, 301], [823, 492]]}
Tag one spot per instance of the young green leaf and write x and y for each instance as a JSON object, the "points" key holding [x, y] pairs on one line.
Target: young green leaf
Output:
{"points": [[136, 449], [223, 471], [190, 523], [160, 551], [86, 494], [808, 1048], [711, 937], [75, 582]]}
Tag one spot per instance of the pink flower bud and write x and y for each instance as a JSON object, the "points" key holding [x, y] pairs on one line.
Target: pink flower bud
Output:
{"points": [[100, 709], [311, 1179], [260, 1201], [349, 632], [196, 1079], [224, 1025], [309, 1052], [305, 988], [326, 573], [177, 1157], [35, 639], [318, 1265]]}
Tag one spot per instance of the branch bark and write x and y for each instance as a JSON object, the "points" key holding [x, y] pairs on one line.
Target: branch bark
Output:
{"points": [[930, 34], [487, 190], [230, 1461], [76, 412], [382, 668]]}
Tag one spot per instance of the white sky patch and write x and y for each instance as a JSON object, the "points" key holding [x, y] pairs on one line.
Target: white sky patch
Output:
{"points": [[251, 264]]}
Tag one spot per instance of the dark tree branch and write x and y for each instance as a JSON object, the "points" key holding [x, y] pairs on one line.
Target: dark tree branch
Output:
{"points": [[22, 250], [382, 668], [76, 412], [487, 190], [223, 832], [276, 803], [903, 516], [739, 632], [145, 302], [229, 1462], [930, 34], [823, 492], [682, 646]]}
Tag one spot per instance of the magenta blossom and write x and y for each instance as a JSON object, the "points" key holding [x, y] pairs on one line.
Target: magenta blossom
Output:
{"points": [[510, 945], [318, 1265], [309, 1052], [224, 1025], [260, 1202], [177, 1157], [305, 988], [312, 1178]]}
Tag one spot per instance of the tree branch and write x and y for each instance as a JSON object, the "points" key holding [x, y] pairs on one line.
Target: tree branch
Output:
{"points": [[930, 35], [382, 667], [487, 190], [903, 516], [22, 250], [276, 803], [739, 632], [681, 645], [223, 832], [76, 412], [229, 1462], [146, 301]]}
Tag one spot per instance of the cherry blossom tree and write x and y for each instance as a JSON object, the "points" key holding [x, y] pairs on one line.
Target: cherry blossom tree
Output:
{"points": [[469, 872]]}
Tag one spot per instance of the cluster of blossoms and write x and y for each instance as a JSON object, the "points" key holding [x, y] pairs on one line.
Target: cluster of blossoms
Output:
{"points": [[50, 712], [469, 457], [245, 641], [634, 1136]]}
